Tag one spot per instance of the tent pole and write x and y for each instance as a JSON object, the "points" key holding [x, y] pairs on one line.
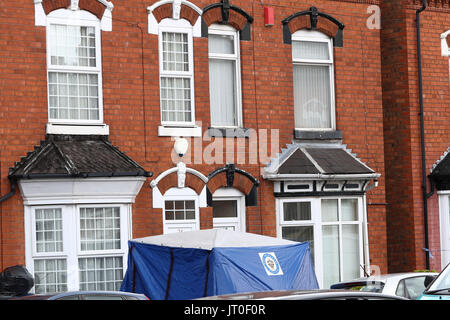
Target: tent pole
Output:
{"points": [[133, 281], [170, 275], [207, 275]]}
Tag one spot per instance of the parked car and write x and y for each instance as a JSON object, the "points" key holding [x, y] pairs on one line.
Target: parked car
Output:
{"points": [[409, 285], [85, 295], [439, 289], [306, 295]]}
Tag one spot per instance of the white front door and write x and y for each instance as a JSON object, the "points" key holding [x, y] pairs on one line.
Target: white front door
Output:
{"points": [[181, 210], [444, 213], [229, 209]]}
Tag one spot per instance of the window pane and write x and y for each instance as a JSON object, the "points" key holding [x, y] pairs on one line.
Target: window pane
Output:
{"points": [[73, 96], [225, 209], [50, 275], [312, 96], [400, 289], [72, 45], [175, 52], [101, 273], [223, 44], [310, 50], [350, 252], [414, 287], [330, 210], [222, 88], [300, 234], [330, 242], [179, 210], [296, 211], [176, 99], [349, 209], [49, 233], [99, 228]]}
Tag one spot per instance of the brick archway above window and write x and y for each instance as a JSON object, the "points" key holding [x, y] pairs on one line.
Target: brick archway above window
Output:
{"points": [[313, 19], [102, 9], [225, 13], [171, 181], [232, 177], [50, 5], [176, 10], [167, 11]]}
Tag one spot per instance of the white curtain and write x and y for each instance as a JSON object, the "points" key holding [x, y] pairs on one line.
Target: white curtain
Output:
{"points": [[221, 44], [222, 80], [222, 75], [312, 96], [350, 254], [310, 50], [330, 247]]}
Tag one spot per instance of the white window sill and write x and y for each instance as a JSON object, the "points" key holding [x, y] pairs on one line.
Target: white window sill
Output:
{"points": [[91, 129], [179, 131]]}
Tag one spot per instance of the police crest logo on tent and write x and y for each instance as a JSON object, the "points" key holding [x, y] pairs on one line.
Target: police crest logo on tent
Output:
{"points": [[271, 264]]}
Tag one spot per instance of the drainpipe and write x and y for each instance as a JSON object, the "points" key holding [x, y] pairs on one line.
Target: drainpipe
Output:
{"points": [[422, 135], [12, 192]]}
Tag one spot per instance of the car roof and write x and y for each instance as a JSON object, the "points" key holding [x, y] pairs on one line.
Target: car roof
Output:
{"points": [[302, 295], [56, 296], [385, 277]]}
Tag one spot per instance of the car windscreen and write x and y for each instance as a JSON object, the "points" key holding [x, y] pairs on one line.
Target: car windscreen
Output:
{"points": [[441, 283]]}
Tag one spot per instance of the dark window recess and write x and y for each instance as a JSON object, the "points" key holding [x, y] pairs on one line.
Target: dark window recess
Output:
{"points": [[331, 186], [352, 186], [298, 187], [317, 135]]}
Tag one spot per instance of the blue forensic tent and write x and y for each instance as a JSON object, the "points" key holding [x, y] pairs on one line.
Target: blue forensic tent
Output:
{"points": [[196, 264]]}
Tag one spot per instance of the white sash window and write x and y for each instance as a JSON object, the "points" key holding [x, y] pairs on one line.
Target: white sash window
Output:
{"points": [[74, 68], [313, 81], [224, 77]]}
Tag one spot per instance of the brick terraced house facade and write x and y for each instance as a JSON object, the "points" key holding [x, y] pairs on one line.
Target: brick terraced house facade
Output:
{"points": [[301, 122]]}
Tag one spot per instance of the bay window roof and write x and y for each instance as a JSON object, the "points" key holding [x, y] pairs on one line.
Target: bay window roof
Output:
{"points": [[316, 162], [76, 156], [440, 172]]}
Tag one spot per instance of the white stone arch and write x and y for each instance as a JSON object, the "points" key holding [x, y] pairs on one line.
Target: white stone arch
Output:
{"points": [[153, 25], [40, 18]]}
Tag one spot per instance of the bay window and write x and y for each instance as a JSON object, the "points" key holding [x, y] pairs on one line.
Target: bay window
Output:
{"points": [[77, 247], [333, 227], [313, 81], [224, 77]]}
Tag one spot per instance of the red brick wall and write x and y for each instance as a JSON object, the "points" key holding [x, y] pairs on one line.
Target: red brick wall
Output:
{"points": [[436, 83], [406, 234], [131, 104], [397, 136]]}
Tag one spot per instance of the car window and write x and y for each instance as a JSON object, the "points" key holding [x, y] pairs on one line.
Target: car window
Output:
{"points": [[101, 297], [411, 288], [414, 287], [401, 289]]}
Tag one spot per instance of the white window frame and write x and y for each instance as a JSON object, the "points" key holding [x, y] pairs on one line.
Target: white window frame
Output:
{"points": [[316, 36], [444, 222], [72, 239], [231, 194], [316, 223], [444, 46], [228, 30], [177, 26], [181, 194], [76, 18]]}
